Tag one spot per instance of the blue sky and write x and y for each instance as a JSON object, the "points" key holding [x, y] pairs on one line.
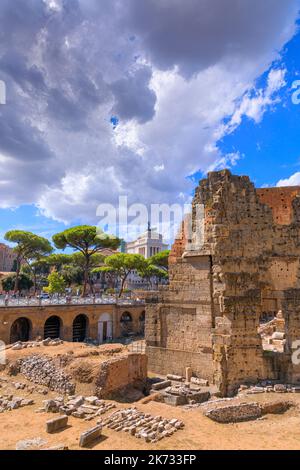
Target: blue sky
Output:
{"points": [[184, 88], [28, 218], [271, 149]]}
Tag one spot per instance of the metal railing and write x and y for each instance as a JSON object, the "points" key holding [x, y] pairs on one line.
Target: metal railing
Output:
{"points": [[15, 301]]}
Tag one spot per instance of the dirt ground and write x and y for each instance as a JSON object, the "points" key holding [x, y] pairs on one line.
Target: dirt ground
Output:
{"points": [[200, 433], [84, 360]]}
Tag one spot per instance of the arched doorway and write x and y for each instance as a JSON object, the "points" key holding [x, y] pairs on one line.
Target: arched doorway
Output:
{"points": [[126, 324], [20, 330], [105, 328], [142, 323], [52, 328], [80, 325]]}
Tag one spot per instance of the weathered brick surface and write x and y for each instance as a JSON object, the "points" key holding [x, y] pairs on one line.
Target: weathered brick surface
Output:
{"points": [[246, 267], [164, 360], [116, 374], [281, 202]]}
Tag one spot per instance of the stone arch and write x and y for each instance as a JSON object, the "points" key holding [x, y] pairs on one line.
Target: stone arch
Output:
{"points": [[126, 323], [53, 327], [80, 328], [105, 328], [142, 322], [20, 330]]}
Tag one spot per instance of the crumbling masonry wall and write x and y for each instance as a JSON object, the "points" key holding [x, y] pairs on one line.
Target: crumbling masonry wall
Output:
{"points": [[119, 373], [246, 266]]}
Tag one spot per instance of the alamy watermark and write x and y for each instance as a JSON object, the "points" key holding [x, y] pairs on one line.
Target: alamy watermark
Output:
{"points": [[296, 93], [129, 222], [2, 92]]}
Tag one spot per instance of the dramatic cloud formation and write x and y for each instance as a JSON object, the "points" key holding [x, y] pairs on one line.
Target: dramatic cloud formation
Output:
{"points": [[168, 71], [195, 35], [255, 102]]}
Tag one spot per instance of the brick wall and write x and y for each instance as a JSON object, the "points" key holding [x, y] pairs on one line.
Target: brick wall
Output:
{"points": [[249, 263], [118, 373], [281, 202]]}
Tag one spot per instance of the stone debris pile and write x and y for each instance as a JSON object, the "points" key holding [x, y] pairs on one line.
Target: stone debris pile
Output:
{"points": [[38, 443], [179, 395], [179, 391], [268, 387], [19, 385], [5, 383], [213, 401], [30, 444], [51, 342], [142, 425], [86, 408], [235, 413], [11, 402], [35, 344], [43, 371]]}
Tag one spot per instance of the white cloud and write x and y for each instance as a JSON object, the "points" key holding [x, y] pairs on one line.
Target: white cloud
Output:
{"points": [[293, 180], [69, 70], [256, 102]]}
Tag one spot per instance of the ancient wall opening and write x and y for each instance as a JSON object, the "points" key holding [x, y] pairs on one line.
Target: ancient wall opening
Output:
{"points": [[142, 323], [80, 328], [52, 328], [126, 324], [105, 328], [20, 330]]}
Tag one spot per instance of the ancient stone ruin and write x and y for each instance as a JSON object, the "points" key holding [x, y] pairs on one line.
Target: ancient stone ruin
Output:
{"points": [[232, 309]]}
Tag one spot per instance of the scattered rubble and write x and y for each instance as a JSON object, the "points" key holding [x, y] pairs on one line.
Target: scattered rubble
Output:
{"points": [[280, 388], [200, 382], [19, 386], [239, 412], [11, 402], [142, 425], [34, 344], [77, 406], [43, 371], [235, 413], [176, 393], [179, 395], [268, 387], [30, 444]]}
